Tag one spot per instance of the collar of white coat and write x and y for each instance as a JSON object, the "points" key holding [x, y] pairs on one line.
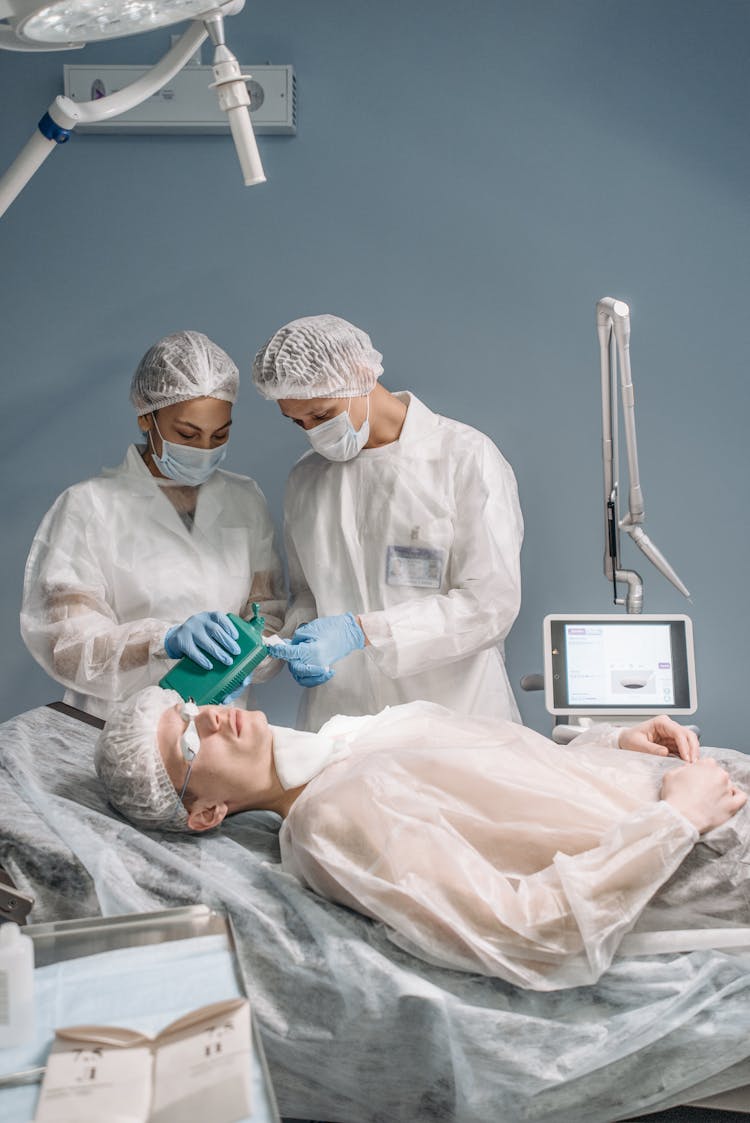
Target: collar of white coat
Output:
{"points": [[144, 483], [418, 422], [300, 756]]}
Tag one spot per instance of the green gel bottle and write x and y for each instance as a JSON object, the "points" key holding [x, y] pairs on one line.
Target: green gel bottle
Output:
{"points": [[210, 688]]}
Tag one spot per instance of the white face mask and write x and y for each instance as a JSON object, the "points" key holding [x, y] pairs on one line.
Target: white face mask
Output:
{"points": [[185, 465], [337, 439]]}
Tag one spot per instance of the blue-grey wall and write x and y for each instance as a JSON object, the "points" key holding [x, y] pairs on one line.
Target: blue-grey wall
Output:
{"points": [[466, 181]]}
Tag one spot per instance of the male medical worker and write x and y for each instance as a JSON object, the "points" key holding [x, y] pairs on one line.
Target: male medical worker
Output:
{"points": [[139, 565], [403, 534]]}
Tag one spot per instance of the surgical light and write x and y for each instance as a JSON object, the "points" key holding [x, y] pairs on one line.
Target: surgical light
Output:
{"points": [[90, 20], [26, 25]]}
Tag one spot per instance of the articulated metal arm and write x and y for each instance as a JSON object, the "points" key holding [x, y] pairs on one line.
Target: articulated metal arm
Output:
{"points": [[64, 114], [613, 330]]}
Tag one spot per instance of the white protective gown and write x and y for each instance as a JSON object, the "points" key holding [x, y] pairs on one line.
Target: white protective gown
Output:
{"points": [[421, 538], [113, 566], [482, 845]]}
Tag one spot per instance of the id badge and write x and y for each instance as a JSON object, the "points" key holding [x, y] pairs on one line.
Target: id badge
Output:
{"points": [[421, 567]]}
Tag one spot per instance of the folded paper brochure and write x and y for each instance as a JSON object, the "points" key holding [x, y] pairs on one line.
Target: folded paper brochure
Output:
{"points": [[198, 1068]]}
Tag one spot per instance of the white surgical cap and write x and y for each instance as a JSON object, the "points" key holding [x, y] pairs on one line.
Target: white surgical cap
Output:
{"points": [[129, 764], [182, 366], [317, 357]]}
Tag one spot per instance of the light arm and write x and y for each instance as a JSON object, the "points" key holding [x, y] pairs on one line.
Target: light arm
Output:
{"points": [[64, 114], [69, 113], [231, 88], [613, 329], [609, 443], [29, 159]]}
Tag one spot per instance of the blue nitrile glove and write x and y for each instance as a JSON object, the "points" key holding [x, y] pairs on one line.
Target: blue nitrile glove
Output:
{"points": [[307, 674], [236, 693], [212, 632], [302, 671], [323, 641]]}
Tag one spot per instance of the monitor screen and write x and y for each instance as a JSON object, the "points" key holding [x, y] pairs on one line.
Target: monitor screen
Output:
{"points": [[619, 664]]}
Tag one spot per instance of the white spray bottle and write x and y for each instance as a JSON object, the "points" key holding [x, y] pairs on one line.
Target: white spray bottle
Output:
{"points": [[16, 986]]}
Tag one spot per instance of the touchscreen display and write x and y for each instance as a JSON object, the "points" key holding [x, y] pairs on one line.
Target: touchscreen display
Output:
{"points": [[620, 666]]}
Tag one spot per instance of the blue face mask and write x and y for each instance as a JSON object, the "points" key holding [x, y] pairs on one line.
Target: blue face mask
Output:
{"points": [[185, 465]]}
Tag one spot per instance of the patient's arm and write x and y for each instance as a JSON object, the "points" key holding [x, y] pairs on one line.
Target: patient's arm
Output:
{"points": [[408, 863], [661, 736], [704, 794]]}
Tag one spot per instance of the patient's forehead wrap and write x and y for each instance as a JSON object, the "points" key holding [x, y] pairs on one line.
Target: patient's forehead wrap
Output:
{"points": [[129, 764]]}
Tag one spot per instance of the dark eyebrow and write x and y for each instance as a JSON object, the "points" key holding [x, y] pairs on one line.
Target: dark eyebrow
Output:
{"points": [[308, 413]]}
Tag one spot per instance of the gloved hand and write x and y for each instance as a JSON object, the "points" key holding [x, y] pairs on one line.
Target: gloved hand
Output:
{"points": [[307, 674], [212, 632], [322, 642], [304, 672], [236, 693]]}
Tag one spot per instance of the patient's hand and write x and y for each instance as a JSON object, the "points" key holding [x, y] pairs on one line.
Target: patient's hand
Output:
{"points": [[703, 793], [661, 736]]}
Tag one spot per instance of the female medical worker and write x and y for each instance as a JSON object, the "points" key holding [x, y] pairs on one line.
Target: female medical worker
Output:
{"points": [[403, 534], [137, 566]]}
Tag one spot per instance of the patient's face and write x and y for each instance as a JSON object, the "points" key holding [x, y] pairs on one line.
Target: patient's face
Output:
{"points": [[235, 758]]}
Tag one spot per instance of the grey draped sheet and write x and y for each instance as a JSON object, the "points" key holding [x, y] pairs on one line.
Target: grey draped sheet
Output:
{"points": [[357, 1031]]}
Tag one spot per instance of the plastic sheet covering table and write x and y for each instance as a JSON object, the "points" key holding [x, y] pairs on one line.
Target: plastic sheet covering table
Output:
{"points": [[355, 1030], [140, 972]]}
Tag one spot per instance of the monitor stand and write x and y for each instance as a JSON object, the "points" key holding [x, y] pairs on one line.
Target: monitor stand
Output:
{"points": [[564, 732]]}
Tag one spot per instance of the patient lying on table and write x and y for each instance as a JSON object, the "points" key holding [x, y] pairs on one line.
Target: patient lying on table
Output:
{"points": [[481, 845]]}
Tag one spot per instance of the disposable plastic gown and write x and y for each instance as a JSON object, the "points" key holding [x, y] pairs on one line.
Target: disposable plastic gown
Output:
{"points": [[114, 565], [485, 847], [443, 489]]}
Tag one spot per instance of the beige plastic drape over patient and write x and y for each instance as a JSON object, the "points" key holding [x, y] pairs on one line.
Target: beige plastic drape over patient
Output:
{"points": [[483, 846]]}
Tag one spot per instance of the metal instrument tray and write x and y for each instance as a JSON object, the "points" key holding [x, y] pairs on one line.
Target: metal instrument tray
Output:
{"points": [[62, 940]]}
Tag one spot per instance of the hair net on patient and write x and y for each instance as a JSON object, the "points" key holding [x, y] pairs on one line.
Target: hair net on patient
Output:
{"points": [[129, 764], [317, 357], [182, 366]]}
